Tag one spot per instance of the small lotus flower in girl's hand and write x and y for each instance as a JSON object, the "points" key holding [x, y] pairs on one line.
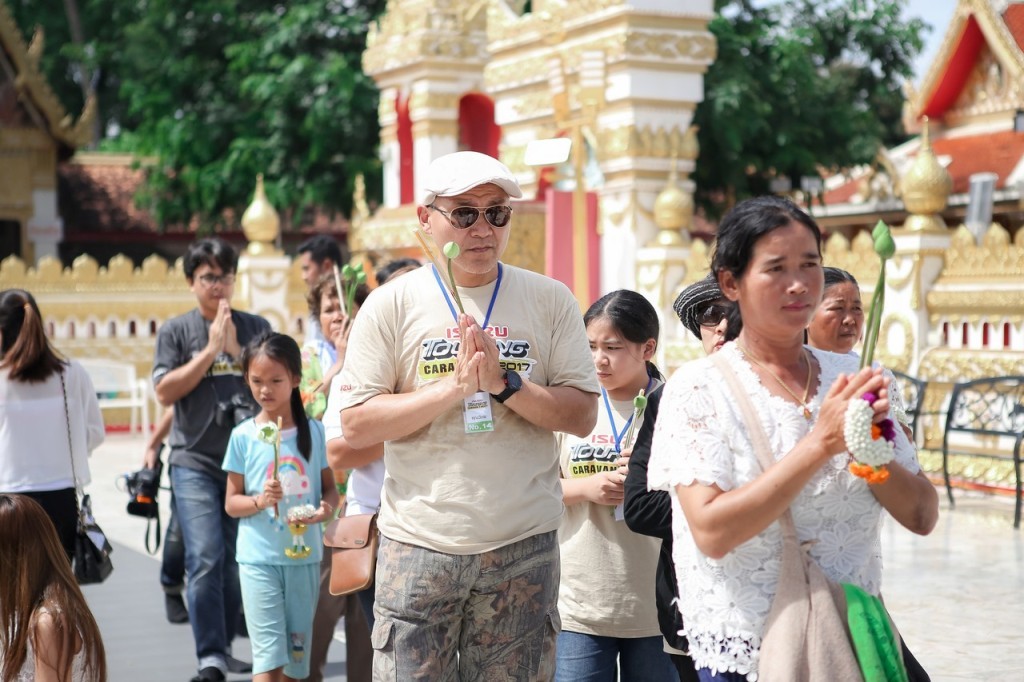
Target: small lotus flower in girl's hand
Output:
{"points": [[268, 433]]}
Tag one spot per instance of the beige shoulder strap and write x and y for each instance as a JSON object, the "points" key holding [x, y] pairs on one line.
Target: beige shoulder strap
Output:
{"points": [[754, 429]]}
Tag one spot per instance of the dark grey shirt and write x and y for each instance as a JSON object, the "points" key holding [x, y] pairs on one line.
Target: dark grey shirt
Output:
{"points": [[197, 441]]}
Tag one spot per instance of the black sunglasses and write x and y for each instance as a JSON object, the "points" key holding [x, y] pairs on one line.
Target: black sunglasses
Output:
{"points": [[465, 217], [713, 315]]}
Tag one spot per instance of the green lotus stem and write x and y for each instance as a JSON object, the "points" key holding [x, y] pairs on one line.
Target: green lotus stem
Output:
{"points": [[338, 287], [885, 247], [277, 459], [639, 405], [451, 252]]}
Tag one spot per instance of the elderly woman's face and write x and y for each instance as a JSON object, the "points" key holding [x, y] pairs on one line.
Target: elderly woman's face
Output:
{"points": [[714, 323], [781, 287], [839, 320]]}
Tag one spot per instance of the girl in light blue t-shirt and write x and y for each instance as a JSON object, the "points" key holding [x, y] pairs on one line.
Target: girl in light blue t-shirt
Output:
{"points": [[281, 501]]}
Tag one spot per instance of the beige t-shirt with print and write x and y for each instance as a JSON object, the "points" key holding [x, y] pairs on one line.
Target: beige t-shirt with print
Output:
{"points": [[608, 571], [445, 489]]}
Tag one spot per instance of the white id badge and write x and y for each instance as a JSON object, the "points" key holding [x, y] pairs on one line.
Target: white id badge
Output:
{"points": [[476, 413], [620, 512]]}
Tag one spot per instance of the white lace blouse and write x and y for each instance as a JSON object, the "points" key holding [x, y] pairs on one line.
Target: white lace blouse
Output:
{"points": [[700, 437]]}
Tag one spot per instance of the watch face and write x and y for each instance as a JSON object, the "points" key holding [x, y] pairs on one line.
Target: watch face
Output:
{"points": [[512, 380]]}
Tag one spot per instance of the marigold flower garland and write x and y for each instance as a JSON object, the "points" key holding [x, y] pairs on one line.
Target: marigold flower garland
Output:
{"points": [[871, 445]]}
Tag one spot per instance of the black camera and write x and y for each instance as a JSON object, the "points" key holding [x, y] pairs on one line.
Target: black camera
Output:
{"points": [[231, 413], [143, 486]]}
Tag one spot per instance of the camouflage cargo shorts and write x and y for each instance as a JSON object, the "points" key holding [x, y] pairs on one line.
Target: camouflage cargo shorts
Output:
{"points": [[490, 617]]}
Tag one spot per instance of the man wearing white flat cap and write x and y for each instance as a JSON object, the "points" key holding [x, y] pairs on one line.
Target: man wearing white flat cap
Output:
{"points": [[467, 404]]}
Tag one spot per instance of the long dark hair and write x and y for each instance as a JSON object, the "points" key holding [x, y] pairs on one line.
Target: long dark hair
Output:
{"points": [[632, 315], [35, 572], [282, 348], [27, 353]]}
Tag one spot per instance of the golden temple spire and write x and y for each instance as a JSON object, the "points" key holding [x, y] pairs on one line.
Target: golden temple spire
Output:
{"points": [[260, 222], [926, 188], [673, 211]]}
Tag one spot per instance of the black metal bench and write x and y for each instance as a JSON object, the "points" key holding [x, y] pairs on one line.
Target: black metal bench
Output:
{"points": [[989, 410], [912, 392]]}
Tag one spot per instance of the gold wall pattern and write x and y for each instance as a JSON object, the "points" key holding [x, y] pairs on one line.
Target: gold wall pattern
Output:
{"points": [[857, 257], [995, 258]]}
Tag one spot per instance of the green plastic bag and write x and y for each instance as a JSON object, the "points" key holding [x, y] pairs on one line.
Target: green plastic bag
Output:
{"points": [[874, 642]]}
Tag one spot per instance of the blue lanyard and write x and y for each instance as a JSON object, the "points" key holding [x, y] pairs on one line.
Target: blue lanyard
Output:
{"points": [[611, 416], [451, 306]]}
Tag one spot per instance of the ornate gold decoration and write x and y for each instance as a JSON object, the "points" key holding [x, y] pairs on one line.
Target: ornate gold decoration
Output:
{"points": [[260, 223], [903, 358], [698, 262], [673, 212], [997, 37], [414, 31], [645, 141], [994, 259], [858, 258], [926, 188], [431, 99], [31, 83], [694, 47]]}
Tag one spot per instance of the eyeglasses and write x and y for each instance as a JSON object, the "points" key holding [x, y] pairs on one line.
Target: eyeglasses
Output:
{"points": [[210, 280], [465, 217], [713, 315]]}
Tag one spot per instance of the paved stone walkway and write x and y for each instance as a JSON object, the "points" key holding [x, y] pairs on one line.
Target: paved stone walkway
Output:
{"points": [[957, 595]]}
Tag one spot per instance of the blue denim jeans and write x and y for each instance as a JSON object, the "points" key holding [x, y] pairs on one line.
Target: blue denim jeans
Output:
{"points": [[704, 674], [214, 596], [590, 658], [172, 564]]}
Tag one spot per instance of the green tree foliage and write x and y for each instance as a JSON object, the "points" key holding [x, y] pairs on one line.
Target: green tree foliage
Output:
{"points": [[220, 90], [798, 87], [216, 91]]}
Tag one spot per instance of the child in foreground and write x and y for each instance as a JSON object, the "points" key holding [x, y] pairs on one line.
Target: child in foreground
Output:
{"points": [[281, 488]]}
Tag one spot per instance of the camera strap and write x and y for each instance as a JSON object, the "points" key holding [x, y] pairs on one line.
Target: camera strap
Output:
{"points": [[149, 525]]}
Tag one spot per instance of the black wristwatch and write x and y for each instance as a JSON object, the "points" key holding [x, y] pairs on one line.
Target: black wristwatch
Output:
{"points": [[513, 382]]}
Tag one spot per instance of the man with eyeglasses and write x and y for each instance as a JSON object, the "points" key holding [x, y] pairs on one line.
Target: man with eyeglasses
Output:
{"points": [[197, 370], [467, 405]]}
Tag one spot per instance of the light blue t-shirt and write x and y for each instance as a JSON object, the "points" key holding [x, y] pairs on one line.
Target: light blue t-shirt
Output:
{"points": [[262, 539]]}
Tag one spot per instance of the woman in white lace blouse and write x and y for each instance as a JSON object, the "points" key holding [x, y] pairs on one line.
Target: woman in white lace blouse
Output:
{"points": [[47, 633], [727, 546]]}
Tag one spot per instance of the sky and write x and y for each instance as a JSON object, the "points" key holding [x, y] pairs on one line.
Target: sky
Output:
{"points": [[937, 13]]}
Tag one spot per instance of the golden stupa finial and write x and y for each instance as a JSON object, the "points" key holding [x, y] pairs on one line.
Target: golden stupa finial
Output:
{"points": [[673, 211], [926, 188], [260, 222], [360, 209]]}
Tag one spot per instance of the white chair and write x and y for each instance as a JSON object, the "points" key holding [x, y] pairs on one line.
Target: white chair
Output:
{"points": [[117, 387]]}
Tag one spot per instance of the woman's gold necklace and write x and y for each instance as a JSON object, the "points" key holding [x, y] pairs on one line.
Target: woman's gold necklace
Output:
{"points": [[773, 375]]}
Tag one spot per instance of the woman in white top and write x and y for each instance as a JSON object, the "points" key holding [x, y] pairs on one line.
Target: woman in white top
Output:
{"points": [[606, 600], [43, 399], [728, 544], [47, 633]]}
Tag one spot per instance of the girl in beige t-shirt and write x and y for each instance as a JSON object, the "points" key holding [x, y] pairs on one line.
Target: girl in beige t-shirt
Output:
{"points": [[606, 595]]}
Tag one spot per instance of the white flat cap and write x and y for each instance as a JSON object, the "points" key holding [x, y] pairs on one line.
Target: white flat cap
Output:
{"points": [[460, 172]]}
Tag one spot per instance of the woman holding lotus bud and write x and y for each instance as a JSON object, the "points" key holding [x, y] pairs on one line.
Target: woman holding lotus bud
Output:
{"points": [[789, 404], [609, 621]]}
